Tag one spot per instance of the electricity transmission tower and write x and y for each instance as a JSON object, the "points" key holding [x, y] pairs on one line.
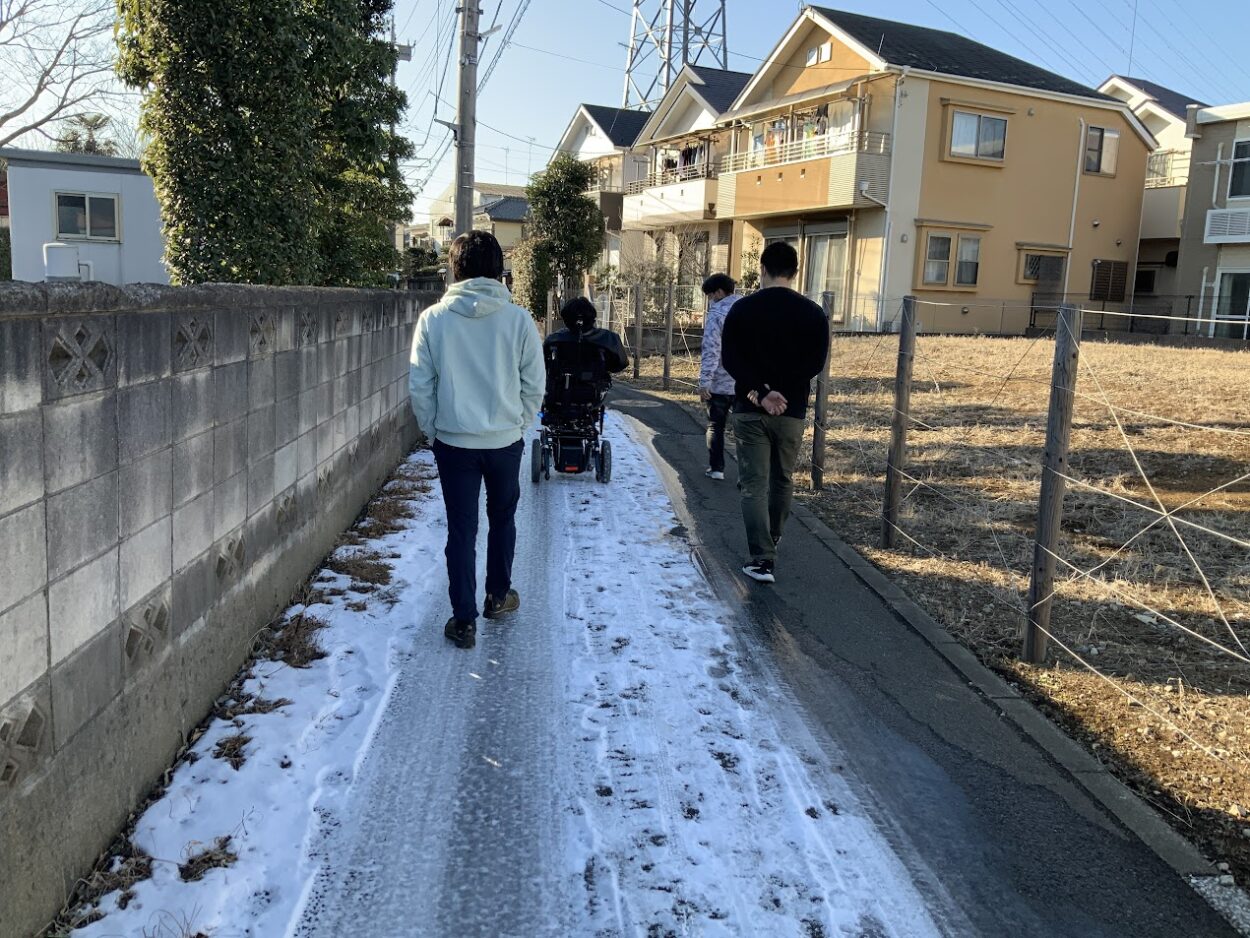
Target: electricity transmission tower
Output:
{"points": [[666, 35]]}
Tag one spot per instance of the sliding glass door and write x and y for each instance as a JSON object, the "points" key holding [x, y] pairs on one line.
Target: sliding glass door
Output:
{"points": [[825, 268], [1232, 307]]}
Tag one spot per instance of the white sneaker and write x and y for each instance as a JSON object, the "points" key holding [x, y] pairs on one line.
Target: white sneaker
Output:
{"points": [[761, 571], [714, 474]]}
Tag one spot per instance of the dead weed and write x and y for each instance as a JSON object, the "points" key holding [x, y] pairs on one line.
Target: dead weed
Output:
{"points": [[218, 856], [231, 749], [293, 641]]}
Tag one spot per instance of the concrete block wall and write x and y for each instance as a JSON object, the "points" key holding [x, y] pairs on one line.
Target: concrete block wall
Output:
{"points": [[173, 462]]}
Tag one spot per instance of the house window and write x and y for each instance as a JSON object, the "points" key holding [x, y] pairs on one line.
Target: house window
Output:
{"points": [[1036, 266], [978, 136], [969, 266], [813, 56], [826, 51], [85, 215], [1144, 282], [1239, 182], [1108, 281], [937, 260], [1032, 271], [1101, 149]]}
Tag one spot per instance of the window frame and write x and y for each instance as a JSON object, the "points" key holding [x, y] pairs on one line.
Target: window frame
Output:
{"points": [[959, 244], [1233, 167], [976, 158], [1023, 252], [925, 260], [114, 197], [1102, 151], [926, 230]]}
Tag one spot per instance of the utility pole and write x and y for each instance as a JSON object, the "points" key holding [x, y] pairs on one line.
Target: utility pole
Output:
{"points": [[403, 53], [466, 117]]}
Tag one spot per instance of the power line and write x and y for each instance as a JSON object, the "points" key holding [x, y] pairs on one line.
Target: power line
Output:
{"points": [[568, 58], [507, 40]]}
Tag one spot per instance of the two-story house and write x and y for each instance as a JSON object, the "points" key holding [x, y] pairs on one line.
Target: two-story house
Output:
{"points": [[675, 202], [1163, 111], [604, 137], [505, 218], [1215, 244], [443, 206], [906, 160]]}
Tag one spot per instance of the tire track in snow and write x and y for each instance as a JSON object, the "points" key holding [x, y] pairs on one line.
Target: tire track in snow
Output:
{"points": [[604, 764]]}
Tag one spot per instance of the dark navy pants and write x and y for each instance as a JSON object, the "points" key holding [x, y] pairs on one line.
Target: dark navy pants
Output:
{"points": [[461, 473]]}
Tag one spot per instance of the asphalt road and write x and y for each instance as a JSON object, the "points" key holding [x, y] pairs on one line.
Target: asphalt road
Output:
{"points": [[985, 821]]}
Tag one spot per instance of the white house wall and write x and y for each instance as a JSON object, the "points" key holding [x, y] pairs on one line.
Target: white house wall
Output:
{"points": [[589, 143], [907, 171], [687, 117], [136, 258]]}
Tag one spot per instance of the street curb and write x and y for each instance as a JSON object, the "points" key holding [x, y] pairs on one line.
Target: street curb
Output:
{"points": [[1102, 786], [1116, 797]]}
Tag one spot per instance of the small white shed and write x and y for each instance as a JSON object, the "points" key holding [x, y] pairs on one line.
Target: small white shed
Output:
{"points": [[103, 206]]}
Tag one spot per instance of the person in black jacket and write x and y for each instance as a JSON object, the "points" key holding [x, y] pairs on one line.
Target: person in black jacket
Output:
{"points": [[774, 342], [579, 326]]}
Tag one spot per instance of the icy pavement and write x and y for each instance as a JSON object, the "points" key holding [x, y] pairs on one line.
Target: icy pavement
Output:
{"points": [[601, 764]]}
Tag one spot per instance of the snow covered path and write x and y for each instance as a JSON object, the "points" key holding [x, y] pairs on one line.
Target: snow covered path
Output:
{"points": [[598, 765], [602, 764]]}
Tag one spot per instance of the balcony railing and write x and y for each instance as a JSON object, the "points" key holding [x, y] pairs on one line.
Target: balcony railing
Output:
{"points": [[696, 171], [1167, 168], [863, 141], [598, 187]]}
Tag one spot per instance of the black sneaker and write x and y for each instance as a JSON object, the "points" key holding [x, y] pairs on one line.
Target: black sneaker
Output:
{"points": [[498, 608], [461, 634], [761, 571]]}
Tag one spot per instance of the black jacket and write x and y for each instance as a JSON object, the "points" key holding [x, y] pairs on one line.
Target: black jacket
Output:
{"points": [[775, 340], [609, 343]]}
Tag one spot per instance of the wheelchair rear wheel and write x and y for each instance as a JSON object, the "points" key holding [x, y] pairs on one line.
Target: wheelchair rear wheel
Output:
{"points": [[536, 461], [603, 462]]}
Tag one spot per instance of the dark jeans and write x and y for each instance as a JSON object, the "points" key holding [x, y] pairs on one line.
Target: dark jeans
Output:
{"points": [[718, 409], [768, 448], [461, 473]]}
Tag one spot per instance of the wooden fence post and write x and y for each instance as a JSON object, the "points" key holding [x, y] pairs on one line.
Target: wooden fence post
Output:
{"points": [[899, 424], [638, 310], [668, 338], [551, 308], [1054, 468], [822, 403]]}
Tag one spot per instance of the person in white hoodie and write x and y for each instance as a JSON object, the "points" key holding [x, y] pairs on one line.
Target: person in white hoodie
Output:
{"points": [[476, 382]]}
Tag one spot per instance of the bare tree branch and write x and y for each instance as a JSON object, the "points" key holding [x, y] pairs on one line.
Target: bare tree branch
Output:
{"points": [[58, 63]]}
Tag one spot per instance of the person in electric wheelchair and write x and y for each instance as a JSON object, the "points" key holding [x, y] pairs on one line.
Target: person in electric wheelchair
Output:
{"points": [[580, 360]]}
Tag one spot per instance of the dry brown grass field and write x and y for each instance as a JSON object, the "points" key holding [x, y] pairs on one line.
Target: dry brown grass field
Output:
{"points": [[1148, 666]]}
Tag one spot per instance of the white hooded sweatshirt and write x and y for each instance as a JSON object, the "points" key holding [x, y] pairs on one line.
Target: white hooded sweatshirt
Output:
{"points": [[477, 376]]}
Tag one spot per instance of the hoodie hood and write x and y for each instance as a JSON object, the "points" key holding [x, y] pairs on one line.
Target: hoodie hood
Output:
{"points": [[477, 298]]}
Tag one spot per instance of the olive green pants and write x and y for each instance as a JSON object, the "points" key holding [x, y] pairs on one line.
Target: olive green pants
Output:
{"points": [[768, 448]]}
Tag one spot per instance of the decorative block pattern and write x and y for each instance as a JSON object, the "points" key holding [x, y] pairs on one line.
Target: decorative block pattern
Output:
{"points": [[80, 356], [193, 341], [147, 631], [231, 559], [309, 327], [262, 334]]}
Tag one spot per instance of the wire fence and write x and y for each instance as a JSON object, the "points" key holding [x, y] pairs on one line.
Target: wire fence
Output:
{"points": [[1057, 499], [1078, 489]]}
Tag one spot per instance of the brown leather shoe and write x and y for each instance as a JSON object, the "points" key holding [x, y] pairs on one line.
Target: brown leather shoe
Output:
{"points": [[498, 608]]}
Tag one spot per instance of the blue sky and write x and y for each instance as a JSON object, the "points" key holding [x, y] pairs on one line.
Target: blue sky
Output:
{"points": [[565, 52]]}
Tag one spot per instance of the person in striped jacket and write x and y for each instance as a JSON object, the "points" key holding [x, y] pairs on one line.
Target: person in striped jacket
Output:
{"points": [[716, 387]]}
